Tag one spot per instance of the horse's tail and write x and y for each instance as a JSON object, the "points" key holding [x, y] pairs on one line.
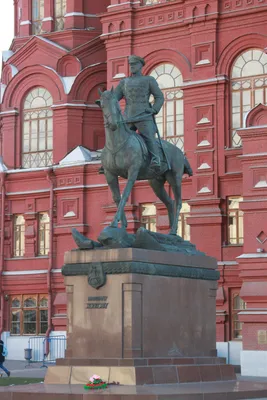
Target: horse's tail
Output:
{"points": [[187, 167]]}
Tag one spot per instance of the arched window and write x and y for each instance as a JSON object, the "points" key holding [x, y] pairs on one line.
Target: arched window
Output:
{"points": [[37, 143], [170, 119], [60, 11], [37, 16], [248, 87]]}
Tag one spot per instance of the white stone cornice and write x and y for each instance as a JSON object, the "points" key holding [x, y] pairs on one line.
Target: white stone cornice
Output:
{"points": [[252, 127], [28, 192], [100, 185], [10, 112], [47, 19], [122, 4], [25, 23], [251, 312], [25, 272], [75, 105], [80, 14], [253, 255], [201, 82], [252, 155]]}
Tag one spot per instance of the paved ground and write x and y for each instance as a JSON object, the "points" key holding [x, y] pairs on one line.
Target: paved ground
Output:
{"points": [[245, 384], [21, 369]]}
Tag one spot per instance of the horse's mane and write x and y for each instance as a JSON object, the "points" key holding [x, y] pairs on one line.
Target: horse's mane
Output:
{"points": [[109, 95]]}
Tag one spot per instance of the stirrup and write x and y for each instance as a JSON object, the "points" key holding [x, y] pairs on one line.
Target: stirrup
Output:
{"points": [[155, 164]]}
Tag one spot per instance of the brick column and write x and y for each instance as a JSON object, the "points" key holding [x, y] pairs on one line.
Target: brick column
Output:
{"points": [[9, 142], [68, 129], [205, 221], [26, 19], [75, 15], [252, 264], [48, 21]]}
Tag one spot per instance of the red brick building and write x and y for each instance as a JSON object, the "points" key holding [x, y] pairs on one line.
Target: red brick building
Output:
{"points": [[209, 59]]}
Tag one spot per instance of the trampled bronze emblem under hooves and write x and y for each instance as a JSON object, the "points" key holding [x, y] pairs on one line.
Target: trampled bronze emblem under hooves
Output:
{"points": [[96, 275]]}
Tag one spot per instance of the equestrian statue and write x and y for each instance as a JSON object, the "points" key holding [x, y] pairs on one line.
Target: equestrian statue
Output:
{"points": [[139, 156]]}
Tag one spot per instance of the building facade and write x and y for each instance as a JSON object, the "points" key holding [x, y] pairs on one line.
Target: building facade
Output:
{"points": [[209, 60]]}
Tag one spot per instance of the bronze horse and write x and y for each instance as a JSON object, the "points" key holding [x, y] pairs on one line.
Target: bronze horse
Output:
{"points": [[125, 155]]}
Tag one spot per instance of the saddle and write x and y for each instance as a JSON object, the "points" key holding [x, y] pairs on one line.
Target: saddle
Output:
{"points": [[146, 154]]}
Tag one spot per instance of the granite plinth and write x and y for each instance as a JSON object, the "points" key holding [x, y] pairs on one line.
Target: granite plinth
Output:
{"points": [[140, 317], [197, 391], [145, 309], [157, 372]]}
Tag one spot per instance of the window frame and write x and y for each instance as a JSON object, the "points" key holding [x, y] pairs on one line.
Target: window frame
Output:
{"points": [[37, 23], [22, 309], [39, 157], [47, 225], [182, 222], [146, 220], [252, 90], [239, 215], [172, 96], [60, 18], [21, 241], [234, 292]]}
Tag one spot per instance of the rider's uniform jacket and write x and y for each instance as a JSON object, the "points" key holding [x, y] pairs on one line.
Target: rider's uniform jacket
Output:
{"points": [[136, 90]]}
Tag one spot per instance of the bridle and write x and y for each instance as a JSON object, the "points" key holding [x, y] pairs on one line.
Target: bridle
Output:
{"points": [[120, 122]]}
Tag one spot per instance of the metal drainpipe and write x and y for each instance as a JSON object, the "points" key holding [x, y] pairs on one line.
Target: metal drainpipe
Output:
{"points": [[3, 194], [50, 264]]}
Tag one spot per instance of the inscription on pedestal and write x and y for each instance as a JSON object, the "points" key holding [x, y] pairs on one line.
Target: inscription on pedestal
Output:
{"points": [[94, 302]]}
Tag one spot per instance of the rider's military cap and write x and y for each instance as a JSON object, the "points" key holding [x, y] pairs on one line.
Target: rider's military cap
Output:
{"points": [[133, 59]]}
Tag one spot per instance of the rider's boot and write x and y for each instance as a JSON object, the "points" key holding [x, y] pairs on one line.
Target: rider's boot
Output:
{"points": [[155, 158], [155, 162]]}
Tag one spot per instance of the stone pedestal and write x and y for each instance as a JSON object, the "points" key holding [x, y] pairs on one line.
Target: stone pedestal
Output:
{"points": [[137, 316]]}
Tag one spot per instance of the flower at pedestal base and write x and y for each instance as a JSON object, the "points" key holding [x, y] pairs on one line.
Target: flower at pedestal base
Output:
{"points": [[95, 382]]}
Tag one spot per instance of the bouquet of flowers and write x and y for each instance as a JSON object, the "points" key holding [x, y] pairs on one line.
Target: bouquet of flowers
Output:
{"points": [[95, 382]]}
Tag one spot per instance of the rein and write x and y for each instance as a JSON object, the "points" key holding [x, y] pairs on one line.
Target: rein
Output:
{"points": [[122, 122]]}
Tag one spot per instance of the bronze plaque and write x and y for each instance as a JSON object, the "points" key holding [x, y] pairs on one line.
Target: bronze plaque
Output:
{"points": [[96, 275], [262, 337]]}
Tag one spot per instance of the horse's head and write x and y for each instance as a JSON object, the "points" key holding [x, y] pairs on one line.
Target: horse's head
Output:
{"points": [[110, 108]]}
